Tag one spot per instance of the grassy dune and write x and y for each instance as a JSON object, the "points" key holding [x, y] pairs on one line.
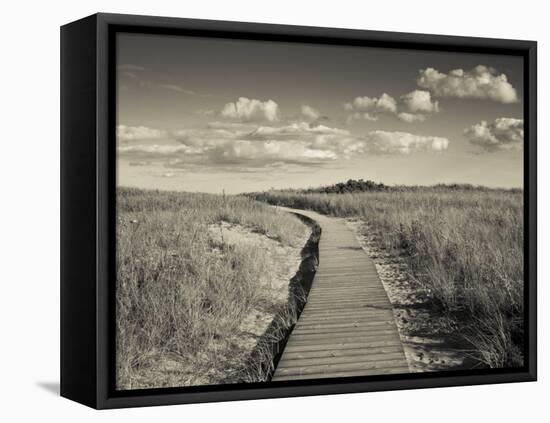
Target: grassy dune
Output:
{"points": [[181, 295], [464, 248]]}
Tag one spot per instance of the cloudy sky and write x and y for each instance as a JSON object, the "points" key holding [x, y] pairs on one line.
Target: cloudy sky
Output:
{"points": [[199, 114]]}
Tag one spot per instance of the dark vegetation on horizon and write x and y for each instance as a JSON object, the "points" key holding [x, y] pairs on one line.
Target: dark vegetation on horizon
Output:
{"points": [[361, 185]]}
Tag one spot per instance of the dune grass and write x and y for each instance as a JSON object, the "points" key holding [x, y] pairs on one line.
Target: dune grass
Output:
{"points": [[464, 248], [181, 296]]}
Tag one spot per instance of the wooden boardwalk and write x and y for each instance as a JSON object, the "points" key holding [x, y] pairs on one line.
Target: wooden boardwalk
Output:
{"points": [[347, 327]]}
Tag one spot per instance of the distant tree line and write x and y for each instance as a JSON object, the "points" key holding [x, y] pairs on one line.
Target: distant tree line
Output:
{"points": [[360, 185], [352, 185]]}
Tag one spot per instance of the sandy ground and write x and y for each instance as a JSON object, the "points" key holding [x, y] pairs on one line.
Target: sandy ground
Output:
{"points": [[282, 263], [425, 334]]}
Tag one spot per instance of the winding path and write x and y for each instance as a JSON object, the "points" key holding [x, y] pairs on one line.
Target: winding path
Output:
{"points": [[347, 327]]}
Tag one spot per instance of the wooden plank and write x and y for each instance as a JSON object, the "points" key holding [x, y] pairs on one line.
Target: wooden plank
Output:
{"points": [[347, 300], [354, 325], [345, 296], [341, 367], [351, 294], [360, 306], [344, 322], [344, 339], [356, 322], [294, 346], [353, 373], [340, 282], [383, 301], [335, 281], [338, 328], [321, 299], [362, 291], [364, 311], [346, 271], [290, 363], [347, 290], [350, 267], [351, 314], [360, 286], [343, 352], [352, 332]]}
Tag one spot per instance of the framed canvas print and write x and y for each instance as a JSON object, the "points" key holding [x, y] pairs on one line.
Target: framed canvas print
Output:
{"points": [[255, 211]]}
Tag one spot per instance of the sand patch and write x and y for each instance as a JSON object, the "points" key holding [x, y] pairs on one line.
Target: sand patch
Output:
{"points": [[281, 264]]}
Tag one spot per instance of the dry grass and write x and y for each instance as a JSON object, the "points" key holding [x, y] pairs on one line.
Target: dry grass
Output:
{"points": [[464, 248], [181, 295]]}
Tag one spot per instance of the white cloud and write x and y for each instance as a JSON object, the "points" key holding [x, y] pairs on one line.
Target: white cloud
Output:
{"points": [[246, 110], [412, 107], [419, 101], [481, 82], [138, 133], [157, 150], [359, 116], [502, 134], [384, 142], [297, 131], [310, 112], [231, 125], [372, 105], [267, 151], [254, 147], [411, 117]]}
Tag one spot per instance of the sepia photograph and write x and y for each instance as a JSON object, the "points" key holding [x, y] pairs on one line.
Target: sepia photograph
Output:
{"points": [[297, 211]]}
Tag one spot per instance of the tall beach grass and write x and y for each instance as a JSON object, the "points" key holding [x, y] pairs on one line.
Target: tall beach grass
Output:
{"points": [[181, 295]]}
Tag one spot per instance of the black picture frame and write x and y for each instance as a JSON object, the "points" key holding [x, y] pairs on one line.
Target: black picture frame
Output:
{"points": [[88, 208]]}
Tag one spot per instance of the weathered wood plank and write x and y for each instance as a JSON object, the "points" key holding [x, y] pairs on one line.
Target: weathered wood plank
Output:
{"points": [[350, 314], [367, 351], [338, 328], [340, 367], [353, 373], [348, 339], [346, 333], [332, 345], [343, 298], [355, 321], [359, 306], [312, 362]]}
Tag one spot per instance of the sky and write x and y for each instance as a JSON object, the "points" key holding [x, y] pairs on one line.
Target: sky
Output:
{"points": [[212, 115]]}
